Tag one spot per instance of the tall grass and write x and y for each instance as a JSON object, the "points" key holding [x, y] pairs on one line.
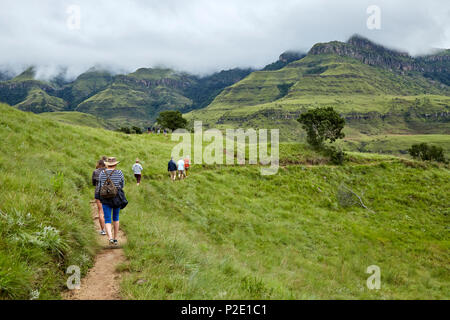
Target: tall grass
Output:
{"points": [[226, 231], [230, 233]]}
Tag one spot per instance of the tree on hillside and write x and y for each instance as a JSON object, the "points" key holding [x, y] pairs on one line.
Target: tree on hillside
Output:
{"points": [[172, 120], [322, 124], [425, 152]]}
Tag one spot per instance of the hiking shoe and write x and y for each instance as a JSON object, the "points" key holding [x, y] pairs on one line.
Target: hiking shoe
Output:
{"points": [[111, 241], [103, 233], [116, 243]]}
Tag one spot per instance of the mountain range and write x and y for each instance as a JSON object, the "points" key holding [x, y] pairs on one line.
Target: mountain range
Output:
{"points": [[135, 98], [377, 89]]}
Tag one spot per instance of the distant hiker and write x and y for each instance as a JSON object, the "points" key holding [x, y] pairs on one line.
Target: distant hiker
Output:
{"points": [[187, 164], [165, 132], [180, 165], [95, 181], [137, 170], [111, 183], [159, 131], [172, 168]]}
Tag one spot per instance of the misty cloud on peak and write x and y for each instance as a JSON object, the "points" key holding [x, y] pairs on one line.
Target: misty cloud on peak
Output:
{"points": [[200, 36]]}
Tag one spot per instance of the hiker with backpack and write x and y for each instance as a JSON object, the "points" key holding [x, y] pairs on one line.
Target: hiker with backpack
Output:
{"points": [[95, 181], [111, 183], [137, 170]]}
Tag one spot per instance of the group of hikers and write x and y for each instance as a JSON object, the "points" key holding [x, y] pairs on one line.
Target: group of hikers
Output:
{"points": [[157, 131], [109, 195], [181, 167]]}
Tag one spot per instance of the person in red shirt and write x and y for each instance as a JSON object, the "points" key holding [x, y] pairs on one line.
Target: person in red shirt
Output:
{"points": [[186, 165]]}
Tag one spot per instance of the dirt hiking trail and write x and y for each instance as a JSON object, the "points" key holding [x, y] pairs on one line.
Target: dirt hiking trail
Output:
{"points": [[102, 281]]}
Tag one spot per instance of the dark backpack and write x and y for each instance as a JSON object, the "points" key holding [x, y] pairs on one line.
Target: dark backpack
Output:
{"points": [[108, 189]]}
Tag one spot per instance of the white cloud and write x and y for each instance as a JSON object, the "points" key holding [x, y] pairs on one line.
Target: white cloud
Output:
{"points": [[202, 36]]}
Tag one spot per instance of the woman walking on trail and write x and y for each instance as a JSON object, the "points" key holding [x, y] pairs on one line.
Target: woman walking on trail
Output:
{"points": [[137, 170], [95, 181], [117, 178], [187, 165], [180, 165]]}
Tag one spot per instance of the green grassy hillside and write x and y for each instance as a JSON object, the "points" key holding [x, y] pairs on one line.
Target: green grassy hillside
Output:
{"points": [[226, 231], [124, 99], [138, 98], [38, 101], [394, 144], [78, 118], [372, 99], [322, 75], [84, 86]]}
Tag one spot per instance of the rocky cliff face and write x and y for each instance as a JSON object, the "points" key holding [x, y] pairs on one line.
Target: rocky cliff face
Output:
{"points": [[178, 84], [284, 59], [13, 92], [370, 53]]}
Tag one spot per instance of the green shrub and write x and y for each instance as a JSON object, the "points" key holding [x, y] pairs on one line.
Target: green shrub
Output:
{"points": [[425, 152], [136, 130], [130, 130], [172, 120], [322, 124], [337, 156]]}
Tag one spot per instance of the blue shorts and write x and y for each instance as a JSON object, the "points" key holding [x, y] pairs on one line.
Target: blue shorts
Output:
{"points": [[107, 212]]}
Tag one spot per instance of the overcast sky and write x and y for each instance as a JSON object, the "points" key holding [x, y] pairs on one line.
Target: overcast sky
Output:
{"points": [[202, 36]]}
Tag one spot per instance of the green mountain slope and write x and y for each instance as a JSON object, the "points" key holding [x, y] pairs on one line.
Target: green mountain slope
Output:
{"points": [[363, 80], [373, 99], [28, 94], [28, 74], [38, 101], [16, 90], [225, 232], [205, 89], [284, 59], [78, 118], [84, 86], [137, 98]]}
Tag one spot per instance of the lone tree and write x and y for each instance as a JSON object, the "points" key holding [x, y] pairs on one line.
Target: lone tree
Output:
{"points": [[172, 120], [322, 124], [425, 152]]}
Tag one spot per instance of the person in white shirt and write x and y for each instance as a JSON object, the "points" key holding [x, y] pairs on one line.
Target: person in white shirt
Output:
{"points": [[180, 167], [137, 169]]}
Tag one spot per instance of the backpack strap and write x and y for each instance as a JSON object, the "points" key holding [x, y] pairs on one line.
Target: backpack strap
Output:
{"points": [[109, 177]]}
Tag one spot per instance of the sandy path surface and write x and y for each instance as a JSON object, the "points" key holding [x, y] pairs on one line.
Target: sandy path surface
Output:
{"points": [[102, 281]]}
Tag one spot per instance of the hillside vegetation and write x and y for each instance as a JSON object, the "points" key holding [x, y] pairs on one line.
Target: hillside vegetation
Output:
{"points": [[78, 118], [123, 99], [377, 90], [395, 144], [225, 232]]}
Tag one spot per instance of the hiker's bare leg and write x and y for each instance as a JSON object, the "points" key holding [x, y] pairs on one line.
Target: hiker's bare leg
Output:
{"points": [[101, 216], [116, 229], [108, 231]]}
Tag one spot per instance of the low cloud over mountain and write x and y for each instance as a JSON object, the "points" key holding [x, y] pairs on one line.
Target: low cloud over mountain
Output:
{"points": [[200, 36]]}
